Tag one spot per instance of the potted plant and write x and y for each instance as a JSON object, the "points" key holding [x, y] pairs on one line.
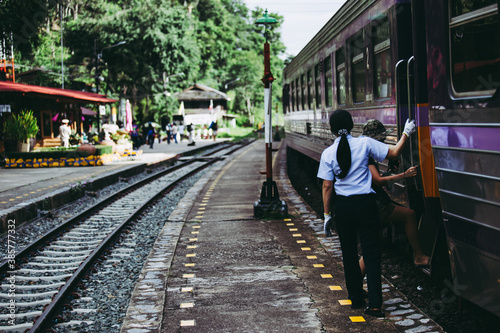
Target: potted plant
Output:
{"points": [[21, 128]]}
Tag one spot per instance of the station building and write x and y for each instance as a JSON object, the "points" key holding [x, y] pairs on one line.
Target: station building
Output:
{"points": [[200, 105], [50, 106]]}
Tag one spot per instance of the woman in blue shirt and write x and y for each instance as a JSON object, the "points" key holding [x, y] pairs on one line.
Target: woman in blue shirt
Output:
{"points": [[345, 164]]}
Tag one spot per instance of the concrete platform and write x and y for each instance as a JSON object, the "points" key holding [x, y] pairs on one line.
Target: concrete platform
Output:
{"points": [[23, 190], [216, 268]]}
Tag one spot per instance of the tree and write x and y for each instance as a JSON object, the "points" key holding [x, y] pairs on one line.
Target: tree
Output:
{"points": [[210, 41]]}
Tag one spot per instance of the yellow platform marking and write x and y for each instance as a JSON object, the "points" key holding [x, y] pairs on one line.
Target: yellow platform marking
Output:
{"points": [[195, 232], [287, 220], [357, 319], [297, 235], [305, 248], [196, 227], [4, 202], [290, 224], [192, 246], [200, 212], [187, 289], [38, 190], [294, 229], [186, 305], [335, 287], [198, 217], [25, 195], [191, 255], [187, 276], [312, 257], [345, 302], [327, 276], [12, 199], [203, 204], [204, 201], [32, 192], [51, 186], [189, 265], [19, 197], [193, 239], [202, 208], [187, 323], [301, 241], [318, 265]]}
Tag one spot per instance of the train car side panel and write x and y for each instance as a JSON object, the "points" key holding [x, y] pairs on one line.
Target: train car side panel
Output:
{"points": [[463, 67]]}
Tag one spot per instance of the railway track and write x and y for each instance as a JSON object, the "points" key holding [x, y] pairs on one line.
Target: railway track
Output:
{"points": [[49, 271]]}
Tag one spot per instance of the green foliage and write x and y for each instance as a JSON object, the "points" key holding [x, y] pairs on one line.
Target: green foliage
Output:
{"points": [[243, 121], [10, 129], [21, 127], [210, 41]]}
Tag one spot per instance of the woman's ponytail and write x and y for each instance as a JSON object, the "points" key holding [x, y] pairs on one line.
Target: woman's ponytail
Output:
{"points": [[341, 125]]}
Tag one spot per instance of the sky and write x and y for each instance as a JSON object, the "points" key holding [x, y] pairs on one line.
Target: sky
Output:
{"points": [[302, 19]]}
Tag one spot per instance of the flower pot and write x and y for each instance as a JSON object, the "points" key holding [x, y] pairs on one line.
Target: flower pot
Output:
{"points": [[23, 147]]}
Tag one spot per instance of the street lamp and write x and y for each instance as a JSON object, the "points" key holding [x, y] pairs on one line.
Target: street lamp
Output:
{"points": [[98, 56], [269, 202], [231, 82]]}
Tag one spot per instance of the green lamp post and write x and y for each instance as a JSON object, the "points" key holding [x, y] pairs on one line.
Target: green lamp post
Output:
{"points": [[269, 203]]}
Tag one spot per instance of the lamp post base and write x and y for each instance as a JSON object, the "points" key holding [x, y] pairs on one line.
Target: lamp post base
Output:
{"points": [[270, 204]]}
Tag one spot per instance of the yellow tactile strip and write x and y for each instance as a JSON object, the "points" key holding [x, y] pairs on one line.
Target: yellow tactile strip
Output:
{"points": [[293, 229], [140, 316], [188, 274]]}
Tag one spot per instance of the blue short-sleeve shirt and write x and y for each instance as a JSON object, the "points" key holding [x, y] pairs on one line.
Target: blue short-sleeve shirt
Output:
{"points": [[359, 178]]}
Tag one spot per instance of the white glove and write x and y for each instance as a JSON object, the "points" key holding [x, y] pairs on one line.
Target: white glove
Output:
{"points": [[410, 127], [328, 225]]}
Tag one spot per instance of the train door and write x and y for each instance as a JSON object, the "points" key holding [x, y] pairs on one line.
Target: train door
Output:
{"points": [[412, 103]]}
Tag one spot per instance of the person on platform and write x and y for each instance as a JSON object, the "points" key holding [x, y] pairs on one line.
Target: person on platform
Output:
{"points": [[344, 167], [64, 133], [151, 135], [168, 129], [190, 129], [389, 212], [214, 128], [181, 131], [174, 132]]}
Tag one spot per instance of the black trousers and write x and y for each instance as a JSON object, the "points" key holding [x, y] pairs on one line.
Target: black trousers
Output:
{"points": [[358, 216]]}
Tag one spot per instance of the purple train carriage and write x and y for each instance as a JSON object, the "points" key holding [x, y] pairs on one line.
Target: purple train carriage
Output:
{"points": [[437, 62]]}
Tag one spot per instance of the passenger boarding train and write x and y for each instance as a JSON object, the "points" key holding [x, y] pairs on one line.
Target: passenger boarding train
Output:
{"points": [[437, 62]]}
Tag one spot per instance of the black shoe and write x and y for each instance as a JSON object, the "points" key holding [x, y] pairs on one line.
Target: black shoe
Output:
{"points": [[365, 294], [374, 312], [358, 304]]}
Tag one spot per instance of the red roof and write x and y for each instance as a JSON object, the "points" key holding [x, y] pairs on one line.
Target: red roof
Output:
{"points": [[65, 94]]}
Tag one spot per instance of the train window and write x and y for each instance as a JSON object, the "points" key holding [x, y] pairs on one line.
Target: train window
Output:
{"points": [[309, 90], [382, 59], [460, 7], [317, 87], [358, 69], [297, 94], [340, 61], [474, 47], [304, 91], [328, 81]]}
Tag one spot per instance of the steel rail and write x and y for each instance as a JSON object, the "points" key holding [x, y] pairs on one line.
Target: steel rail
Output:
{"points": [[26, 251], [45, 321]]}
